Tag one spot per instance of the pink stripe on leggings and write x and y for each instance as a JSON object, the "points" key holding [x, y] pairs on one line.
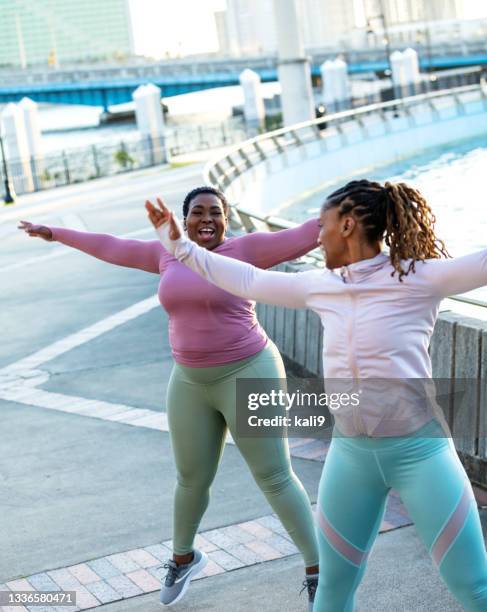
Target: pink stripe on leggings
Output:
{"points": [[452, 528], [347, 550]]}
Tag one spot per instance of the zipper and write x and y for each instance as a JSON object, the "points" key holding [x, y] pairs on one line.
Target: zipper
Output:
{"points": [[352, 361], [357, 421]]}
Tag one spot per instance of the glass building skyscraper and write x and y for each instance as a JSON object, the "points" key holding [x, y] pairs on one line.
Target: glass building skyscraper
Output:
{"points": [[43, 32]]}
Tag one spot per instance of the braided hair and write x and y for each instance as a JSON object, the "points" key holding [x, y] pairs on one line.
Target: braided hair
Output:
{"points": [[396, 213], [205, 189]]}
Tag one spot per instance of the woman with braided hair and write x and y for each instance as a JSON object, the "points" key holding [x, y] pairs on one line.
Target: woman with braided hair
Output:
{"points": [[215, 339], [378, 315]]}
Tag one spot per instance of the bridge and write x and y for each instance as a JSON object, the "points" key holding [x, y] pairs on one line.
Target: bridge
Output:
{"points": [[109, 85]]}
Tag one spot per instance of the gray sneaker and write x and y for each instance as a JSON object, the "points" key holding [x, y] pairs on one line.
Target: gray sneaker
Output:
{"points": [[178, 577], [311, 584]]}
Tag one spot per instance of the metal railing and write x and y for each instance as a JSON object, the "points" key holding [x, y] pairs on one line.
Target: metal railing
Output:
{"points": [[221, 172], [237, 160], [79, 164]]}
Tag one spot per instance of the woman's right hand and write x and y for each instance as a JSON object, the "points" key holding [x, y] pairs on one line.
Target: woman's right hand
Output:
{"points": [[160, 214], [36, 231]]}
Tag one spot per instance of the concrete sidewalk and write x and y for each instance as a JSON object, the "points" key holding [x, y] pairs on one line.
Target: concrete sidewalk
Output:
{"points": [[400, 577]]}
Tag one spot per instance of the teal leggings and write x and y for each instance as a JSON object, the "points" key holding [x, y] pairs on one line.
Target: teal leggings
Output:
{"points": [[425, 470], [201, 406]]}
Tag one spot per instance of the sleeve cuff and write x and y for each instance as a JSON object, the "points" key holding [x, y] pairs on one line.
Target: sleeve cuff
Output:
{"points": [[54, 233], [175, 247]]}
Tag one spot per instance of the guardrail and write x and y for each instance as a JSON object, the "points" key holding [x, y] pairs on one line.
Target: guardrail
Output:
{"points": [[78, 164], [221, 171]]}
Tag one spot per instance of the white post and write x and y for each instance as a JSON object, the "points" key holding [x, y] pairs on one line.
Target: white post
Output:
{"points": [[254, 109], [150, 121], [336, 87], [343, 85], [30, 112], [411, 70], [17, 148], [329, 83], [294, 68], [398, 73]]}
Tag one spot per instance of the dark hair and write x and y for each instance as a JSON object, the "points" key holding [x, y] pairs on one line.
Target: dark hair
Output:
{"points": [[205, 189], [396, 213]]}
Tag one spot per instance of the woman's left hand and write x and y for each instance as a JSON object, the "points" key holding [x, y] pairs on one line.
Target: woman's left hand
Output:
{"points": [[160, 214]]}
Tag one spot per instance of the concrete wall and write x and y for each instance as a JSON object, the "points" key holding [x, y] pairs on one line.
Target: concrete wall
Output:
{"points": [[458, 352]]}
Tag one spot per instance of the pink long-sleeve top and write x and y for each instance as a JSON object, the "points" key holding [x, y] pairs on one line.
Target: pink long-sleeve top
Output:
{"points": [[207, 325]]}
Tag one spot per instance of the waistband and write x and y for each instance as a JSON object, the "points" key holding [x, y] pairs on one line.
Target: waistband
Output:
{"points": [[431, 430], [215, 373]]}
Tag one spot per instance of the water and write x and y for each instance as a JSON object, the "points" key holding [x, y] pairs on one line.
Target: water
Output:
{"points": [[452, 180], [72, 126]]}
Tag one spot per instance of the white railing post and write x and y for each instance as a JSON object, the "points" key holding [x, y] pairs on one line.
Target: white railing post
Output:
{"points": [[412, 75], [30, 112], [254, 110], [15, 138], [150, 122]]}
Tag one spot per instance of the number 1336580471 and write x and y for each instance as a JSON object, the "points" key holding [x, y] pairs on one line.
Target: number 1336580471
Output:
{"points": [[37, 598]]}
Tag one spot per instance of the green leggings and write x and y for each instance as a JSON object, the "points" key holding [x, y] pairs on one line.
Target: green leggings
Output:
{"points": [[201, 405]]}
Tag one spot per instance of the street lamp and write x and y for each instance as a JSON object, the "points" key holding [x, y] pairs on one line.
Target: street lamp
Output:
{"points": [[9, 197]]}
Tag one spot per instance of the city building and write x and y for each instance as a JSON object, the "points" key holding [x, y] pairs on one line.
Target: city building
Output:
{"points": [[55, 32], [411, 22], [440, 10], [407, 11], [327, 22], [222, 32], [251, 27], [248, 27]]}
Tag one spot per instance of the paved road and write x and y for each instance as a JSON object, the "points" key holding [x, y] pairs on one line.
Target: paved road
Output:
{"points": [[79, 489]]}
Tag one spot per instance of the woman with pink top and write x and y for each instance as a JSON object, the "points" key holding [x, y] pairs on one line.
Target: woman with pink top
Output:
{"points": [[378, 316], [215, 339]]}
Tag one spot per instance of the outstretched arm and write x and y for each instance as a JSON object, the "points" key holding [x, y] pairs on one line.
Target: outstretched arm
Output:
{"points": [[234, 276], [267, 249], [140, 254], [458, 275]]}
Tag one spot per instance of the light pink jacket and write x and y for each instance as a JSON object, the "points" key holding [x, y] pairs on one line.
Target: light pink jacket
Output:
{"points": [[375, 327]]}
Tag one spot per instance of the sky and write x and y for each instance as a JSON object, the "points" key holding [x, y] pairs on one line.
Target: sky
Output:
{"points": [[184, 27], [180, 27], [475, 9]]}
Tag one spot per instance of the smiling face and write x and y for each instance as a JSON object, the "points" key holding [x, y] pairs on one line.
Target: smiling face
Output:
{"points": [[206, 221]]}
